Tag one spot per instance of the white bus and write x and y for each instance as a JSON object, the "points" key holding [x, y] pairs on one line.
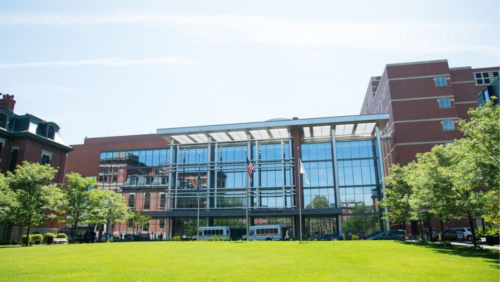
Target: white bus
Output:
{"points": [[219, 232], [264, 233]]}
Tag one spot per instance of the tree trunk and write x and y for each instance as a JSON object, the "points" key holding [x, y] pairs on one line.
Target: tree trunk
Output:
{"points": [[19, 235], [73, 229], [473, 231], [442, 229], [28, 231], [421, 228]]}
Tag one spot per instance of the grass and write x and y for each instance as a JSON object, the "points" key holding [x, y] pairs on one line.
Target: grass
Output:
{"points": [[248, 261]]}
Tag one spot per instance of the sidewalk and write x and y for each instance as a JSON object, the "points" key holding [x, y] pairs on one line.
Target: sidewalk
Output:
{"points": [[484, 246]]}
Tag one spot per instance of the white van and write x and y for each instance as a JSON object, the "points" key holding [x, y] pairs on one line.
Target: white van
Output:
{"points": [[264, 233], [221, 233]]}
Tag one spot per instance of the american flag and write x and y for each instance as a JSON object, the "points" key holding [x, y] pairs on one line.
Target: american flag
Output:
{"points": [[249, 168]]}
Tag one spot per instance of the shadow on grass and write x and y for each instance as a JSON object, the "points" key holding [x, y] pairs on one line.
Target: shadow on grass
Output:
{"points": [[489, 256]]}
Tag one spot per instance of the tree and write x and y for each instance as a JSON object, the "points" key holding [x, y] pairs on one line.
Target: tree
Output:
{"points": [[38, 198], [107, 207], [319, 225], [77, 196], [8, 201], [433, 194], [398, 192], [141, 221]]}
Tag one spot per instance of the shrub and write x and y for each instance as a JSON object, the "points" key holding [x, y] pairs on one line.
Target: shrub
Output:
{"points": [[355, 237], [47, 235], [37, 238], [62, 235], [175, 238]]}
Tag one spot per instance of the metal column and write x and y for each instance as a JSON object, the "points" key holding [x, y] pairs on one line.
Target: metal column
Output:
{"points": [[381, 170], [336, 181]]}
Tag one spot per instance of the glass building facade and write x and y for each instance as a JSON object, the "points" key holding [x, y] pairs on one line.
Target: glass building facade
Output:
{"points": [[206, 175]]}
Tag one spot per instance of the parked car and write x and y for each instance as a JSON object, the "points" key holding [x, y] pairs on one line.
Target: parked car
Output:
{"points": [[387, 236], [460, 233], [326, 237]]}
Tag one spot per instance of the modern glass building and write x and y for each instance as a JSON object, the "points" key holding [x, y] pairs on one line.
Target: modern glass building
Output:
{"points": [[203, 174]]}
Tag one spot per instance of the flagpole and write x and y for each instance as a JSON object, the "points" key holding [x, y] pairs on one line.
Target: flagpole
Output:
{"points": [[246, 195], [198, 186], [298, 195]]}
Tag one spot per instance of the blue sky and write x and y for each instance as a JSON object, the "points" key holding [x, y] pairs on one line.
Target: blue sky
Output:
{"points": [[100, 68]]}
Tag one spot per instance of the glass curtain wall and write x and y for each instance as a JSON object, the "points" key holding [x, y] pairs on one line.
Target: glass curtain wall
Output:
{"points": [[138, 168], [359, 186]]}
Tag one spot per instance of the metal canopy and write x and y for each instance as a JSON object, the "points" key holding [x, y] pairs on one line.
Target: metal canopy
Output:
{"points": [[359, 125]]}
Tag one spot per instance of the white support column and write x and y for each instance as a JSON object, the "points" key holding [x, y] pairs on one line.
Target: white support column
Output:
{"points": [[381, 169]]}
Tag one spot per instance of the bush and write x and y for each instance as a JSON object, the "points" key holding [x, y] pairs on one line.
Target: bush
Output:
{"points": [[175, 238], [62, 235], [34, 238], [47, 235], [355, 237]]}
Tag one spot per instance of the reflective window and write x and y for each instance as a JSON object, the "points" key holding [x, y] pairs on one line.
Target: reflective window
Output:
{"points": [[440, 81], [3, 120], [313, 152], [232, 154], [356, 172], [448, 125], [356, 149], [444, 103]]}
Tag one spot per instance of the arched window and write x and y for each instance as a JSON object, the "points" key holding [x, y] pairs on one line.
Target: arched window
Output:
{"points": [[147, 201]]}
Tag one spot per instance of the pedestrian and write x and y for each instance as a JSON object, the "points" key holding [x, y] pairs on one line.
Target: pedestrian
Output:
{"points": [[160, 237], [92, 236], [287, 236], [100, 235]]}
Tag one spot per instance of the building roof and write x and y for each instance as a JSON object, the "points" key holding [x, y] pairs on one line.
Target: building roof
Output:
{"points": [[358, 125]]}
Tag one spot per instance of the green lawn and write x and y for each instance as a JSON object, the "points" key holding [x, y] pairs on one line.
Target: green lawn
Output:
{"points": [[248, 261]]}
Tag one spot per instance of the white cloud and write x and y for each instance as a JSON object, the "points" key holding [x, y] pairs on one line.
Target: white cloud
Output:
{"points": [[110, 62], [409, 36]]}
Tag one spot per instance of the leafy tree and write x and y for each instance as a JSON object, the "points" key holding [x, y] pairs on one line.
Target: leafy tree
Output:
{"points": [[141, 221], [433, 193], [398, 192], [38, 198], [107, 207], [77, 196], [8, 201]]}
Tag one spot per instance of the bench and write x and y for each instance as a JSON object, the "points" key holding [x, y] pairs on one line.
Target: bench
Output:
{"points": [[60, 241]]}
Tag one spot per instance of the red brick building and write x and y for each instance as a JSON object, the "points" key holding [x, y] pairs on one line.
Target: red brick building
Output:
{"points": [[29, 138], [424, 101]]}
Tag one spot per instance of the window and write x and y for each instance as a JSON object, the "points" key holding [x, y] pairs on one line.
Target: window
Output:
{"points": [[485, 77], [441, 81], [131, 200], [163, 199], [50, 134], [448, 124], [147, 201], [130, 223], [45, 160], [13, 159], [3, 120], [149, 180], [162, 223], [444, 103]]}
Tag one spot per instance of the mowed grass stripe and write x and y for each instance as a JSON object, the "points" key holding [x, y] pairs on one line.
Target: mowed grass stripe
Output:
{"points": [[248, 261]]}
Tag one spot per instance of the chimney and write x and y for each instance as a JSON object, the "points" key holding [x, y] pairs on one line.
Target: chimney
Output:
{"points": [[7, 102]]}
